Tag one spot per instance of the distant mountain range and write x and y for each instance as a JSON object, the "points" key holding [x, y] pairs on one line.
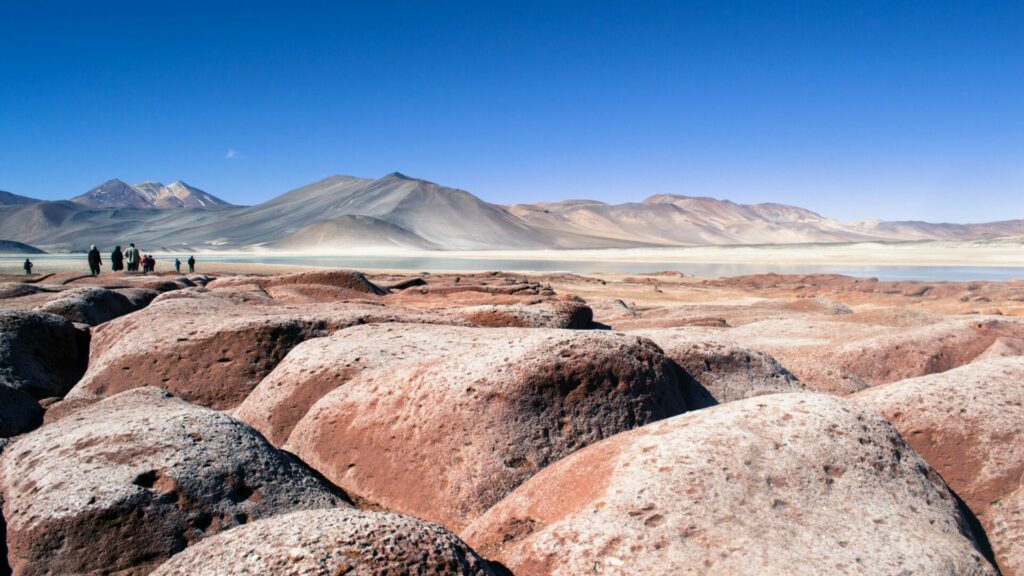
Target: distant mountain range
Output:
{"points": [[343, 212], [117, 194]]}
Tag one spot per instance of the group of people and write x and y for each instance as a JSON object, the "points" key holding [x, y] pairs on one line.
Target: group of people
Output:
{"points": [[132, 257]]}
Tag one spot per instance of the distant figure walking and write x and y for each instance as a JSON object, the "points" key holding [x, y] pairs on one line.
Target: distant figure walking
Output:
{"points": [[131, 255], [191, 264], [28, 267], [95, 261], [117, 259], [177, 265]]}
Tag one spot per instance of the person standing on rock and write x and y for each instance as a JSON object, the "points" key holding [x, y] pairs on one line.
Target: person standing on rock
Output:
{"points": [[95, 261], [131, 255], [191, 264], [117, 259], [177, 266], [28, 267]]}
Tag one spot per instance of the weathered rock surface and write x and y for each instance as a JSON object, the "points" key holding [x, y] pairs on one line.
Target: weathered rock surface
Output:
{"points": [[847, 356], [94, 305], [555, 313], [346, 279], [126, 483], [969, 424], [329, 543], [1006, 532], [212, 350], [728, 370], [779, 484], [441, 422], [41, 354]]}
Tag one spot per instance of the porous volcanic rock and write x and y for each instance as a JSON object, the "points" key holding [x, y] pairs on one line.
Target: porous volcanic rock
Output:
{"points": [[19, 412], [779, 484], [554, 313], [329, 543], [969, 424], [346, 279], [126, 483], [441, 422], [1006, 532], [213, 350], [41, 354], [92, 305], [844, 356], [728, 370]]}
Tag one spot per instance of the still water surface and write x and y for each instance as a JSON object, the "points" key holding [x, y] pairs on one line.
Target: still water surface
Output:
{"points": [[926, 273]]}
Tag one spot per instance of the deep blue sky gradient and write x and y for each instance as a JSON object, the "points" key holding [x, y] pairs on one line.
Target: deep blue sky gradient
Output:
{"points": [[858, 110]]}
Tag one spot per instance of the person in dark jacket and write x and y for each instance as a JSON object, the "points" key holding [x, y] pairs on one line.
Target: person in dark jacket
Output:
{"points": [[117, 259], [177, 265], [191, 264], [95, 261], [28, 267]]}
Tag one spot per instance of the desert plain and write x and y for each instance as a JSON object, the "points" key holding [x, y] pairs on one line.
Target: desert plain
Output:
{"points": [[256, 419]]}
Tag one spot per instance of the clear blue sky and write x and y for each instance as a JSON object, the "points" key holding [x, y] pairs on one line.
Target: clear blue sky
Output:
{"points": [[894, 110]]}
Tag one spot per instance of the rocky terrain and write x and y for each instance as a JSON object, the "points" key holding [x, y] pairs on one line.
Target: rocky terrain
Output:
{"points": [[334, 422]]}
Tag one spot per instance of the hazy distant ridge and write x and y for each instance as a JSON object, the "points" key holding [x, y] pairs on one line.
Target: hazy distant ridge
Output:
{"points": [[342, 212]]}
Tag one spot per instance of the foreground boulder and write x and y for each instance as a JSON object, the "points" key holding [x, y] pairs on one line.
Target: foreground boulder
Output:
{"points": [[41, 355], [969, 424], [441, 422], [128, 482], [348, 280], [94, 305], [553, 313], [779, 484], [328, 543], [728, 370], [212, 350], [1006, 532]]}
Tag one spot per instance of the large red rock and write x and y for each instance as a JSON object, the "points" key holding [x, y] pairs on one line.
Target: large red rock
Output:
{"points": [[95, 305], [777, 484], [345, 279], [441, 422], [213, 350], [330, 543], [728, 370], [41, 355], [547, 313], [969, 424], [844, 356], [1006, 532], [124, 484]]}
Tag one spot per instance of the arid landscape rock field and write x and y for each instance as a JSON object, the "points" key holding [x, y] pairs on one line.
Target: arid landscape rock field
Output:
{"points": [[257, 421]]}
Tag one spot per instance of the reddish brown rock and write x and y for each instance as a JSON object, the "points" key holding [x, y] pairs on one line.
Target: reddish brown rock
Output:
{"points": [[41, 354], [1006, 532], [555, 313], [346, 279], [213, 350], [330, 543], [124, 484], [441, 422], [969, 424], [95, 305], [844, 356], [728, 370], [778, 484]]}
